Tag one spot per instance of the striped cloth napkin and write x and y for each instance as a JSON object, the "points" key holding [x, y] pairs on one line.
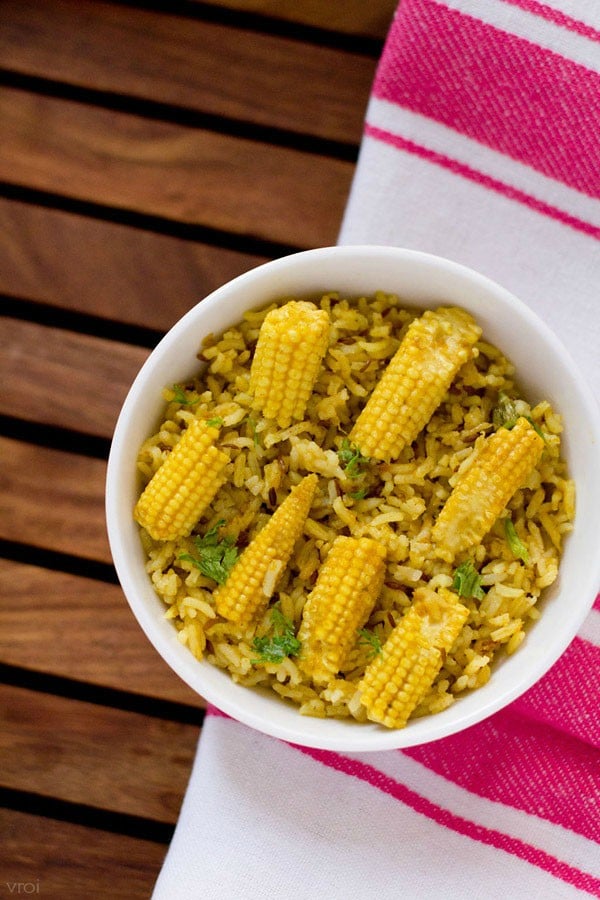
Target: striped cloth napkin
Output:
{"points": [[482, 144]]}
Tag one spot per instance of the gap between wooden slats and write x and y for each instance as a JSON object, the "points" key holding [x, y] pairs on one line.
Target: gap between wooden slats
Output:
{"points": [[87, 633], [108, 270], [71, 861], [65, 379], [161, 169], [357, 17], [52, 499], [86, 753], [190, 65]]}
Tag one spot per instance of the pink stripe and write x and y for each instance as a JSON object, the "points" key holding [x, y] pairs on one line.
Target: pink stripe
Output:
{"points": [[597, 602], [557, 17], [567, 696], [486, 181], [525, 765], [489, 836], [499, 89]]}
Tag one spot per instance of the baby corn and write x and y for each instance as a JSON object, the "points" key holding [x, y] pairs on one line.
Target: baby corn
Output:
{"points": [[348, 585], [483, 490], [184, 485], [291, 344], [415, 381], [253, 579], [400, 676]]}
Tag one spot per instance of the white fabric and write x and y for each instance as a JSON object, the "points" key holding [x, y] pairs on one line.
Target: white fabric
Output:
{"points": [[262, 821]]}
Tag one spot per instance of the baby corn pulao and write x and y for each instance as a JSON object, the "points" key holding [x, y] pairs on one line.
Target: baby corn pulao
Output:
{"points": [[434, 348], [395, 682], [291, 344], [347, 587], [184, 485], [254, 577], [353, 505], [480, 494]]}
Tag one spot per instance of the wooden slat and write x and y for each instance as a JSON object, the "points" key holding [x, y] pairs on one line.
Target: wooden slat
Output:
{"points": [[71, 380], [223, 71], [184, 174], [91, 754], [52, 499], [68, 861], [106, 269], [359, 17], [84, 630]]}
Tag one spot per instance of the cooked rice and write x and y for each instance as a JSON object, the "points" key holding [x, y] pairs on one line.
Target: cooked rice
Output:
{"points": [[399, 508]]}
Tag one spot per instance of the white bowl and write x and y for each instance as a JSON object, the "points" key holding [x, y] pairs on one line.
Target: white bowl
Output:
{"points": [[544, 370]]}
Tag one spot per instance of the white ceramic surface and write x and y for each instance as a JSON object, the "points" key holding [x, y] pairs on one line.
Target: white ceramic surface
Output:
{"points": [[545, 371]]}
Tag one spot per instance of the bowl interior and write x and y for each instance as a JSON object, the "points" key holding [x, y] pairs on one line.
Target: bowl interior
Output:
{"points": [[545, 372]]}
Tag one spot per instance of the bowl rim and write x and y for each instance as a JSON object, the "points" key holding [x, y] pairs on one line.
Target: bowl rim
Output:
{"points": [[352, 736]]}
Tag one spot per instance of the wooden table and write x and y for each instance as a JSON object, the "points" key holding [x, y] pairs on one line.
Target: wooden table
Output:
{"points": [[149, 151]]}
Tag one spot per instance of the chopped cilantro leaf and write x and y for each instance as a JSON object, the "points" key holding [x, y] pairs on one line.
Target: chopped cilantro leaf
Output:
{"points": [[351, 458], [182, 397], [359, 495], [536, 428], [517, 547], [505, 412], [214, 423], [467, 581], [215, 558], [281, 643], [506, 415], [369, 638], [255, 436]]}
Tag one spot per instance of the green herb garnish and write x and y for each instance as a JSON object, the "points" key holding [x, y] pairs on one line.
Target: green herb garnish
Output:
{"points": [[215, 558], [370, 639], [214, 423], [536, 428], [182, 398], [255, 436], [505, 412], [359, 495], [467, 581], [506, 415], [281, 643], [517, 547], [351, 458]]}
